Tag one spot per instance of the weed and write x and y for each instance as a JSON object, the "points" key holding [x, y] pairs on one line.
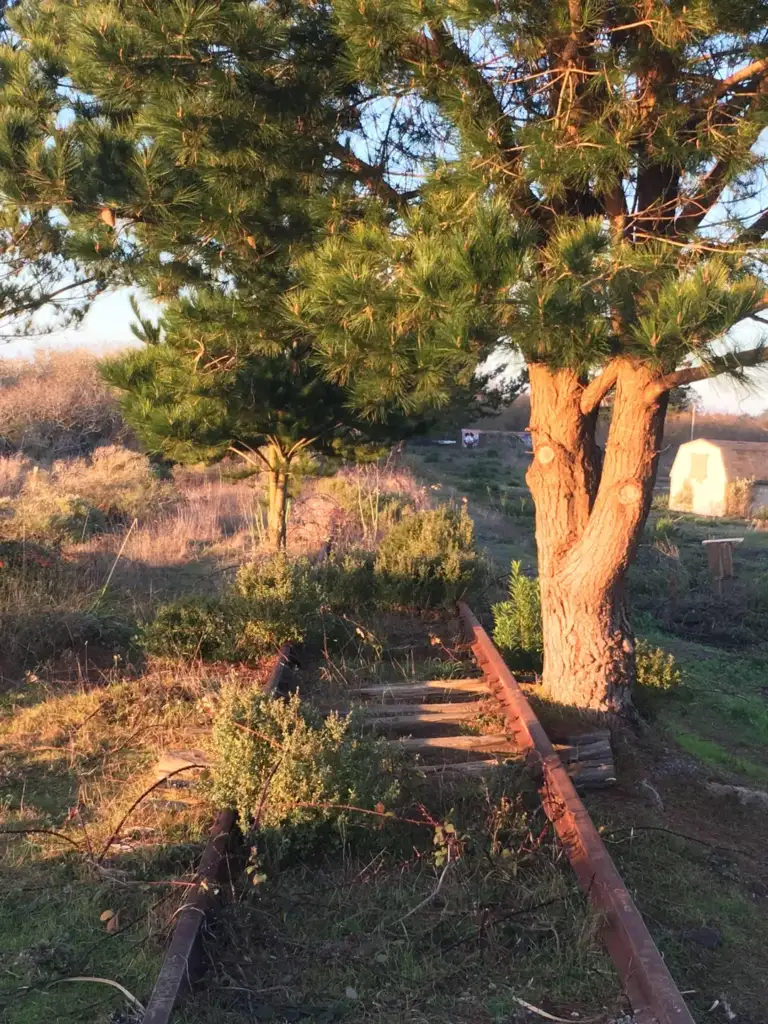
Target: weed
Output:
{"points": [[372, 499], [660, 501], [657, 673], [518, 628]]}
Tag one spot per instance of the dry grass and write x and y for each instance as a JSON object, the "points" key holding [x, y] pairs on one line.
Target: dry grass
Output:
{"points": [[359, 504], [56, 404]]}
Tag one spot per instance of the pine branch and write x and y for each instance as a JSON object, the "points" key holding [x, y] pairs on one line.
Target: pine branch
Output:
{"points": [[373, 177], [444, 51], [711, 186], [731, 362]]}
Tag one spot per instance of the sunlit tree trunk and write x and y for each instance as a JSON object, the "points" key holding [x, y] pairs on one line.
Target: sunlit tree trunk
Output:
{"points": [[277, 508], [589, 518]]}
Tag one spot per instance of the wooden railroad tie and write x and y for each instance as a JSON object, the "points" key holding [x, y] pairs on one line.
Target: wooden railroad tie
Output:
{"points": [[409, 712]]}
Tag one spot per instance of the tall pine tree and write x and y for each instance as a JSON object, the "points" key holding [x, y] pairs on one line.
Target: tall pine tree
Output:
{"points": [[594, 182]]}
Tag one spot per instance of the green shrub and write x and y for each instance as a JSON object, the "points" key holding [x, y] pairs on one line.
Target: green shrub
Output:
{"points": [[657, 673], [655, 668], [280, 600], [29, 640], [274, 601], [346, 581], [193, 628], [517, 630], [278, 762], [428, 559]]}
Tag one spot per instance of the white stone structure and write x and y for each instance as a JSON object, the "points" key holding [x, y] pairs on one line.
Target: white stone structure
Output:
{"points": [[719, 478]]}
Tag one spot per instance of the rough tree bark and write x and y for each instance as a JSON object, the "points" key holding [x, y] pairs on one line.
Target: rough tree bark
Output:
{"points": [[590, 513]]}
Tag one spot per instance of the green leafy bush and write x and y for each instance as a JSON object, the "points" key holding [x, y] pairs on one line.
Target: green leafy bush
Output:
{"points": [[656, 669], [346, 581], [428, 559], [193, 628], [298, 774], [278, 598], [273, 601], [657, 673], [518, 629]]}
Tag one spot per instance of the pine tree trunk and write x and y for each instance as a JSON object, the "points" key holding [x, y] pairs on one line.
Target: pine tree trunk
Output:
{"points": [[278, 501], [589, 519]]}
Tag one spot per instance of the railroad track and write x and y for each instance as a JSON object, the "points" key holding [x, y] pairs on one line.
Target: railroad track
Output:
{"points": [[465, 727]]}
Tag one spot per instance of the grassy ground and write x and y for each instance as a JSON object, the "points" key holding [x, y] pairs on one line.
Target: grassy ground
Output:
{"points": [[710, 889], [391, 937], [83, 718]]}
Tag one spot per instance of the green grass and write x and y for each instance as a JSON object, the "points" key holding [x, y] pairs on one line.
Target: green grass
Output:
{"points": [[380, 938], [74, 763], [51, 930], [714, 754], [680, 886]]}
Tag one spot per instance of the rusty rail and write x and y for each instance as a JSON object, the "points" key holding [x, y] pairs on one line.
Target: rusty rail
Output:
{"points": [[650, 988], [183, 962]]}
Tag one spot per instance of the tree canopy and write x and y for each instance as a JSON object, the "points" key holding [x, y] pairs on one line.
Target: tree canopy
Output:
{"points": [[204, 147], [592, 175], [390, 188]]}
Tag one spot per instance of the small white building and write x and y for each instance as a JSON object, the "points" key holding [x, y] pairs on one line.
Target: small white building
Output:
{"points": [[719, 478]]}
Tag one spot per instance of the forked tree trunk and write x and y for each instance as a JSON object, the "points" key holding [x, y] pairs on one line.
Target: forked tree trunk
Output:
{"points": [[589, 518]]}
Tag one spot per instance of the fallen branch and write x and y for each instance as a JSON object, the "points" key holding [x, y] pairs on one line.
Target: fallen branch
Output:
{"points": [[549, 1016]]}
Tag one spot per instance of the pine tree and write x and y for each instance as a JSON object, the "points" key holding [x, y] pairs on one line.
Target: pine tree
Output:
{"points": [[203, 144], [592, 192], [205, 387]]}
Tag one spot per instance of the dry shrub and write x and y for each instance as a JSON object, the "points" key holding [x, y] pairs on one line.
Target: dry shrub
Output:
{"points": [[56, 405], [77, 498], [14, 470], [738, 502]]}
